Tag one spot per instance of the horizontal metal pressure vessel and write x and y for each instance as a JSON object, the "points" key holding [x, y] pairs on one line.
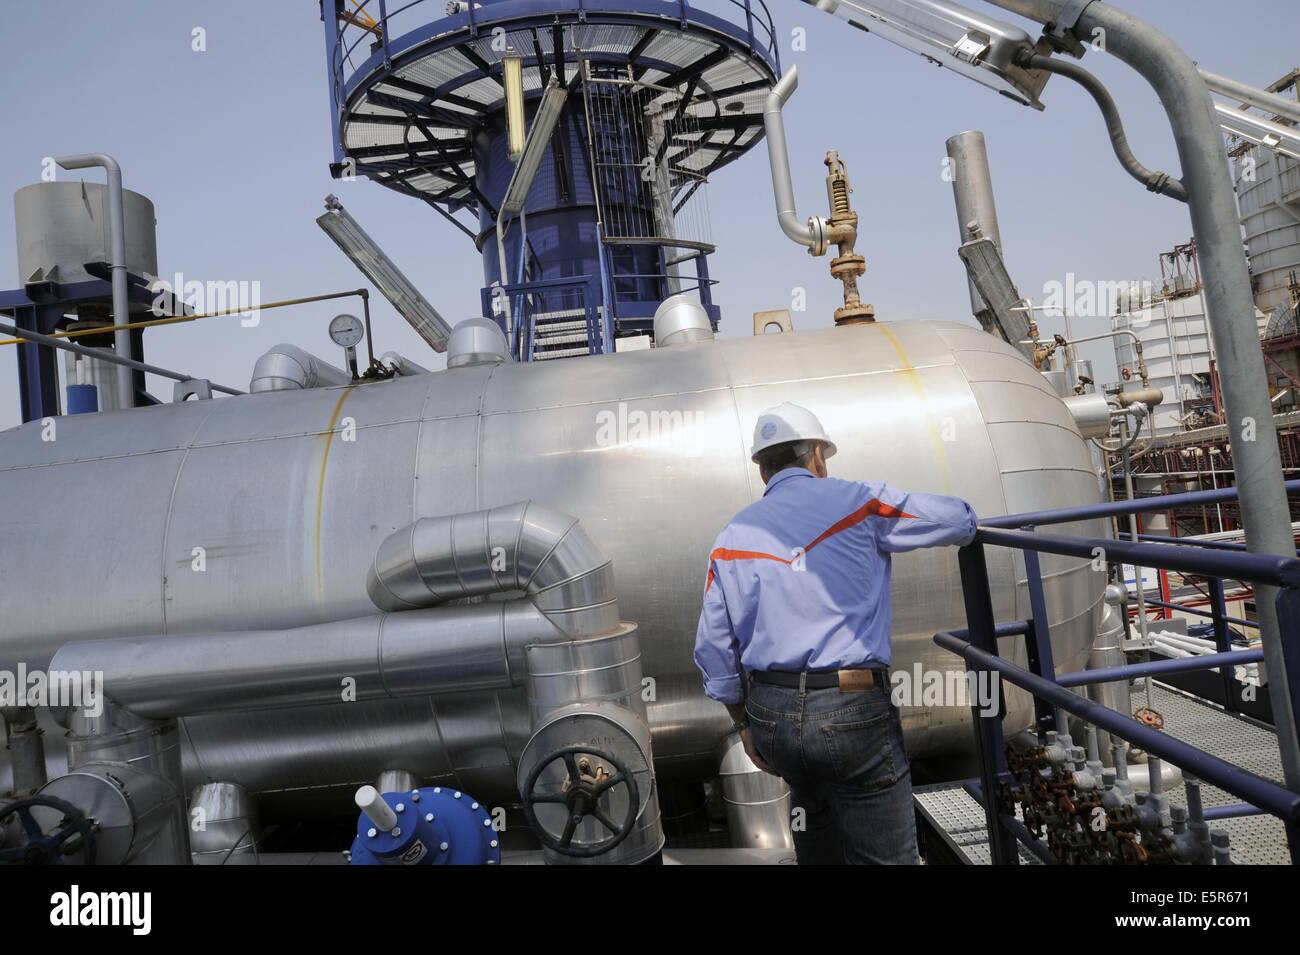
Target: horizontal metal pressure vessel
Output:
{"points": [[266, 511]]}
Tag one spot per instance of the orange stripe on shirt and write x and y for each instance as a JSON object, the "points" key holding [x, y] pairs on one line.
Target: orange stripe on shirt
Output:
{"points": [[726, 553], [873, 508]]}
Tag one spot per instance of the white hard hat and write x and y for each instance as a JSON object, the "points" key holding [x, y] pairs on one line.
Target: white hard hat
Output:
{"points": [[788, 422]]}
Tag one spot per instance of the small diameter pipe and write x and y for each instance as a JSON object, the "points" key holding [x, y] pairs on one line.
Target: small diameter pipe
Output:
{"points": [[1263, 99], [117, 256], [376, 809], [1158, 182], [804, 233], [103, 355]]}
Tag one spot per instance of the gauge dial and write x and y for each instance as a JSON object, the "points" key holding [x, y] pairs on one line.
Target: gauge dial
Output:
{"points": [[346, 330]]}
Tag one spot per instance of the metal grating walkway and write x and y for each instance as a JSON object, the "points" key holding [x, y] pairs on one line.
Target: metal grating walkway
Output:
{"points": [[1256, 840]]}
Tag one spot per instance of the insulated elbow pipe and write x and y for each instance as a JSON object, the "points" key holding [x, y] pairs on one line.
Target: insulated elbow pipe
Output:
{"points": [[521, 547], [289, 368], [810, 234], [117, 263], [1157, 182]]}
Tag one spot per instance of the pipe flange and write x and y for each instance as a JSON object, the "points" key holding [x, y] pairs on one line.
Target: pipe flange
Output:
{"points": [[817, 231]]}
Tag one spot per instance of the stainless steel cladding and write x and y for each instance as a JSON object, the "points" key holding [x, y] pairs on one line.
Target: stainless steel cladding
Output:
{"points": [[64, 225], [1269, 200], [681, 319], [757, 803], [265, 512], [288, 367]]}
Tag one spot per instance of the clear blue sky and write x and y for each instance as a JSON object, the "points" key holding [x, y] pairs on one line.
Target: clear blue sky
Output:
{"points": [[232, 145]]}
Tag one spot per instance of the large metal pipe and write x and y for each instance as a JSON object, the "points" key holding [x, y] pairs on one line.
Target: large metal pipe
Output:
{"points": [[223, 823], [757, 803], [972, 188], [810, 234], [478, 647], [117, 262], [288, 368], [1230, 305]]}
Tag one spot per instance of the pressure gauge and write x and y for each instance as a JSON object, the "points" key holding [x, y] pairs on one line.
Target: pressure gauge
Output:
{"points": [[346, 330]]}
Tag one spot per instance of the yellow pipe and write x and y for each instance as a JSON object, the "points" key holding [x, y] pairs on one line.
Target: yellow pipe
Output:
{"points": [[174, 319]]}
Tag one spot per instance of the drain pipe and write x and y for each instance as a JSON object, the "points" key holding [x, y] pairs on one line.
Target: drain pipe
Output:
{"points": [[810, 234], [1229, 303], [117, 260]]}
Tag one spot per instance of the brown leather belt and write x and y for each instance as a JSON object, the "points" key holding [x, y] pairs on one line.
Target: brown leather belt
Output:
{"points": [[857, 680]]}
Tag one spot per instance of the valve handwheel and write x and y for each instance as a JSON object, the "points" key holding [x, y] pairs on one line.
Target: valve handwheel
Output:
{"points": [[74, 832], [580, 794]]}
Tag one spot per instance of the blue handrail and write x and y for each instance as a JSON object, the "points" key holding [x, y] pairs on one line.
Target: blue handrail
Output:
{"points": [[978, 646]]}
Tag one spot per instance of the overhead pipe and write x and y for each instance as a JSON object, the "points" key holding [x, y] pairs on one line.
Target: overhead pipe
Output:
{"points": [[1273, 103], [810, 234], [1229, 302], [117, 262], [1285, 139], [290, 368]]}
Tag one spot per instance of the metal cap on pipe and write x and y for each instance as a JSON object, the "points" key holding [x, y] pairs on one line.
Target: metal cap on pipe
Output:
{"points": [[476, 341], [680, 319], [370, 802]]}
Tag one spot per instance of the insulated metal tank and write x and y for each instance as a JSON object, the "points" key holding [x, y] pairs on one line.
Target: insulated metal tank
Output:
{"points": [[1269, 201], [64, 225], [286, 496]]}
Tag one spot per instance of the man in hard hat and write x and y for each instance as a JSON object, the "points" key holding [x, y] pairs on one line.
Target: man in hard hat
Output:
{"points": [[794, 638]]}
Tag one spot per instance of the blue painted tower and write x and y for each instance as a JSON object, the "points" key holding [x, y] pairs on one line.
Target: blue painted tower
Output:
{"points": [[628, 107]]}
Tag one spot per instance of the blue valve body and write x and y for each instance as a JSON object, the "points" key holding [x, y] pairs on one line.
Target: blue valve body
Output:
{"points": [[459, 822]]}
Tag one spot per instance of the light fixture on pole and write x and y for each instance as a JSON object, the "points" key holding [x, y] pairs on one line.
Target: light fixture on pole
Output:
{"points": [[512, 78]]}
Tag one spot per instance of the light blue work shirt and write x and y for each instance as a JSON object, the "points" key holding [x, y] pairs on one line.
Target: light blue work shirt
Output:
{"points": [[799, 580]]}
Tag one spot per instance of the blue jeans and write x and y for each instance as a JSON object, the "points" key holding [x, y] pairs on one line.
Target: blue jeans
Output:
{"points": [[842, 756]]}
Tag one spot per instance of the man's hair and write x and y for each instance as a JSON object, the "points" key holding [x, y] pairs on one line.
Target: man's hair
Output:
{"points": [[791, 454]]}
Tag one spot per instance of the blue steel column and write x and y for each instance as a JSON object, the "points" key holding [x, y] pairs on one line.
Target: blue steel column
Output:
{"points": [[329, 11], [988, 729], [1222, 642], [1038, 641], [38, 374]]}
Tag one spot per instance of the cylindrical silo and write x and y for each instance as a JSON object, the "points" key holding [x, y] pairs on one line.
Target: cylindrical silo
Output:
{"points": [[1268, 196]]}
